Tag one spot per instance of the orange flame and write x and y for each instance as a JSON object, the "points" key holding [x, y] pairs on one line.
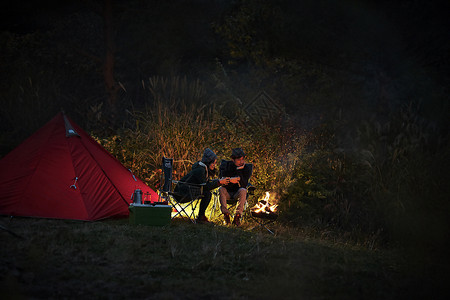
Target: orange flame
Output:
{"points": [[263, 205]]}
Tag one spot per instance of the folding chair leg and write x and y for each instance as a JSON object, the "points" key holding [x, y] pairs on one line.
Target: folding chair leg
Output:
{"points": [[182, 210], [214, 206]]}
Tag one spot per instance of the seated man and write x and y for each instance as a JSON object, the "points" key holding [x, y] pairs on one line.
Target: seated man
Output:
{"points": [[239, 173], [201, 172]]}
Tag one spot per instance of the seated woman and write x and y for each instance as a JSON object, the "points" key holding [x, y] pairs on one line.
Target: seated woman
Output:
{"points": [[201, 172]]}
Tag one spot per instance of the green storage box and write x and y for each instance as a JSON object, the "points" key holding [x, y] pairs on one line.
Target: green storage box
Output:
{"points": [[149, 214]]}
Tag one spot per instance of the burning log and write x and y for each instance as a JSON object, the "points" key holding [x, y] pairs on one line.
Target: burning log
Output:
{"points": [[264, 210]]}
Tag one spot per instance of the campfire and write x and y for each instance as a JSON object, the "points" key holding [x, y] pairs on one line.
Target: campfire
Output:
{"points": [[263, 209]]}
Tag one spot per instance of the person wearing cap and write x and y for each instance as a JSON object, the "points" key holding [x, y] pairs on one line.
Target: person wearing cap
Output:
{"points": [[239, 173], [201, 172]]}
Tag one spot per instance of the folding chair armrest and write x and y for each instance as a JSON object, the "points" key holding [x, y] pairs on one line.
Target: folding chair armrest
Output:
{"points": [[189, 183], [195, 189]]}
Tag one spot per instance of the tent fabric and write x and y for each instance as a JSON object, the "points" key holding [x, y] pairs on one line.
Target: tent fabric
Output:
{"points": [[61, 172]]}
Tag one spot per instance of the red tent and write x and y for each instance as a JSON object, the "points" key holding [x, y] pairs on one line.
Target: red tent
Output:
{"points": [[61, 172]]}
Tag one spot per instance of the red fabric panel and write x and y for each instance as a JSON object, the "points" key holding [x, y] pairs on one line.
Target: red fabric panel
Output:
{"points": [[99, 196], [36, 177], [44, 190], [119, 176]]}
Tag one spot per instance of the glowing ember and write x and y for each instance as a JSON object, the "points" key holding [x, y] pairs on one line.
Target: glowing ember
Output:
{"points": [[263, 206]]}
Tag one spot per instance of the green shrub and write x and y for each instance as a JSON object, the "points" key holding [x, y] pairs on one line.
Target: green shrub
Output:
{"points": [[404, 175], [391, 186]]}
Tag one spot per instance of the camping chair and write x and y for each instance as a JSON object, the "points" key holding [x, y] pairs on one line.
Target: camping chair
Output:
{"points": [[184, 205], [231, 203]]}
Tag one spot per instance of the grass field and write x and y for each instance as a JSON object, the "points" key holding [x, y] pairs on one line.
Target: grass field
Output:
{"points": [[61, 259]]}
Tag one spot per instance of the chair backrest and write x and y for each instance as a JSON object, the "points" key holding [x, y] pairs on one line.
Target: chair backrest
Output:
{"points": [[250, 166], [251, 171], [167, 168], [222, 166]]}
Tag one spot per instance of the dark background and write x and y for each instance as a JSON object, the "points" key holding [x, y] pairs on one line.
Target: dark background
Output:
{"points": [[320, 60], [367, 82]]}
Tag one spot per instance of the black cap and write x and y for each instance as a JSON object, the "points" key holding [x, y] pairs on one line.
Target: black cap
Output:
{"points": [[237, 152]]}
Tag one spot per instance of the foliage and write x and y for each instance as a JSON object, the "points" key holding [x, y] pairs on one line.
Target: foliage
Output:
{"points": [[41, 77], [404, 176], [323, 189], [390, 186], [170, 128]]}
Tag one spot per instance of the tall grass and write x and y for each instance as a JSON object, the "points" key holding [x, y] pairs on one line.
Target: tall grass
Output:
{"points": [[24, 109], [405, 174], [389, 187], [173, 127]]}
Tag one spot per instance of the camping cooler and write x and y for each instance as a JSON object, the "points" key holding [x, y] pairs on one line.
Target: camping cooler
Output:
{"points": [[150, 214]]}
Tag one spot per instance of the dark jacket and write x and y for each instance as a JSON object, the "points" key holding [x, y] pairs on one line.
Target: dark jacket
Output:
{"points": [[197, 175], [228, 169]]}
